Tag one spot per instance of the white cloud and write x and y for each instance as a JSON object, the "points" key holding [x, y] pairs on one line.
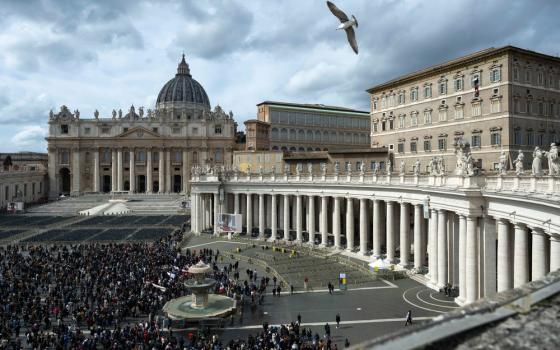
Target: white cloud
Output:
{"points": [[30, 137]]}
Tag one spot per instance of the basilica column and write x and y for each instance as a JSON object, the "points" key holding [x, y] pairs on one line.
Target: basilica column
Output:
{"points": [[554, 253], [114, 172], [299, 218], [442, 248], [149, 169], [76, 171], [462, 258], [418, 244], [132, 172], [311, 220], [161, 171], [390, 219], [472, 260], [505, 273], [236, 203], [194, 214], [96, 170], [119, 169], [249, 214], [405, 234], [215, 213], [286, 217], [539, 255], [489, 257], [432, 242], [350, 224], [363, 226], [185, 177], [376, 229], [521, 256], [261, 216], [169, 170], [324, 221], [336, 222], [52, 166], [273, 218]]}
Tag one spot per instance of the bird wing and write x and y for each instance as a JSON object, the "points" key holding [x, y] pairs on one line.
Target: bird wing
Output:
{"points": [[337, 12], [352, 39]]}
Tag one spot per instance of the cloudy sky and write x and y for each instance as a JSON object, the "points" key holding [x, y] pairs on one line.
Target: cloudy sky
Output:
{"points": [[105, 54]]}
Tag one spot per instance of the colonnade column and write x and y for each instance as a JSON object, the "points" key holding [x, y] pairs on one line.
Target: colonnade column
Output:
{"points": [[273, 218], [96, 170], [286, 217], [114, 165], [311, 219], [432, 249], [76, 173], [462, 258], [554, 252], [131, 172], [418, 244], [249, 215], [261, 216], [349, 224], [376, 228], [236, 203], [363, 226], [539, 254], [336, 222], [215, 213], [405, 235], [442, 248], [489, 256], [521, 256], [505, 275], [299, 220], [168, 167], [194, 213], [472, 260], [119, 170], [161, 171], [185, 177], [324, 221], [149, 169]]}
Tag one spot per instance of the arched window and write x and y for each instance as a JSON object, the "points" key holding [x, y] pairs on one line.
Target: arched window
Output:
{"points": [[195, 157], [284, 134], [274, 134], [309, 136], [301, 135], [292, 134], [218, 155], [325, 136], [317, 136]]}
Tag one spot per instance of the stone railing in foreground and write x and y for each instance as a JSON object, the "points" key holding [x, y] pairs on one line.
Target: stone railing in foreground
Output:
{"points": [[529, 184], [478, 314]]}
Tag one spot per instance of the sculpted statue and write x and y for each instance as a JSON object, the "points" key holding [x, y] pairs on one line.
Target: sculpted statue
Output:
{"points": [[439, 165], [432, 165], [362, 168], [417, 167], [323, 168], [460, 168], [230, 115], [469, 161], [141, 112], [150, 113], [375, 168], [260, 170], [349, 168], [248, 168], [298, 168], [96, 114], [287, 169], [273, 169], [537, 162], [336, 167], [310, 168], [553, 160], [502, 165], [519, 163], [120, 113], [77, 114], [389, 167], [402, 168], [51, 114], [114, 114]]}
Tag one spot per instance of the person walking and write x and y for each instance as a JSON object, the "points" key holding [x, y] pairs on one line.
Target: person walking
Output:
{"points": [[305, 281], [346, 343], [299, 319], [291, 289], [408, 318], [327, 330], [337, 320]]}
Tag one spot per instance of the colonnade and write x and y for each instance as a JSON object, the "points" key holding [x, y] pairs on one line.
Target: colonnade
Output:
{"points": [[478, 253]]}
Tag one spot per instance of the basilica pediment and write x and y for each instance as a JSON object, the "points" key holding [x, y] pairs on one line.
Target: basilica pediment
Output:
{"points": [[138, 132]]}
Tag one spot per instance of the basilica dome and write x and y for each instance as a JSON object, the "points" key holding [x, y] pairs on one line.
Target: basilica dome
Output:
{"points": [[183, 90]]}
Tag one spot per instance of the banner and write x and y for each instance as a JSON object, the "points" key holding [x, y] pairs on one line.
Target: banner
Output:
{"points": [[426, 206], [229, 223]]}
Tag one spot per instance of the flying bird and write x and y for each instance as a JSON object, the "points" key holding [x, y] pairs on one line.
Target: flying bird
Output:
{"points": [[346, 24]]}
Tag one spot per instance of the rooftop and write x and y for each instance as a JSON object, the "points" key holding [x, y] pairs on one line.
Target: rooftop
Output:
{"points": [[312, 106], [460, 61]]}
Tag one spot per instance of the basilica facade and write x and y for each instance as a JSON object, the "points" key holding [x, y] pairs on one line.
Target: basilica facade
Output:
{"points": [[139, 151]]}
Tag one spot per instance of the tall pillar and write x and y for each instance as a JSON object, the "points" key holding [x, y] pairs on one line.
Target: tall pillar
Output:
{"points": [[52, 165], [299, 219], [472, 260], [249, 214], [114, 165], [119, 170], [185, 177], [194, 214], [96, 170], [323, 227], [149, 170], [273, 218], [215, 213], [418, 241], [405, 234], [76, 171], [261, 215], [554, 253], [236, 203], [377, 232], [442, 248], [521, 256], [505, 275], [350, 224], [462, 258], [286, 217], [432, 242], [132, 172], [311, 220], [539, 255], [168, 171], [161, 171], [489, 256], [336, 222], [363, 226]]}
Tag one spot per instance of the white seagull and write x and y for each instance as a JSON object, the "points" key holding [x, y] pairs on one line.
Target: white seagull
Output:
{"points": [[346, 24]]}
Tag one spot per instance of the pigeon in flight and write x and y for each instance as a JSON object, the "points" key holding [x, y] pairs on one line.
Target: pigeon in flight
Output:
{"points": [[346, 24]]}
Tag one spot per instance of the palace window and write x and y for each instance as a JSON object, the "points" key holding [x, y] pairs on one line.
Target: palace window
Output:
{"points": [[427, 91], [541, 108], [427, 146], [176, 130], [414, 119], [495, 75], [177, 156], [442, 114], [391, 123], [155, 130], [518, 137], [476, 80], [475, 140], [540, 78], [400, 147], [442, 144], [528, 106], [106, 156], [374, 127], [218, 155], [496, 138], [195, 131], [459, 112], [495, 105], [64, 129], [476, 109], [64, 157], [515, 73], [401, 98], [87, 131], [375, 103], [528, 76], [141, 156], [443, 87], [414, 94], [105, 130], [413, 147], [530, 138], [218, 129], [540, 139], [459, 84], [401, 122], [125, 129], [428, 117]]}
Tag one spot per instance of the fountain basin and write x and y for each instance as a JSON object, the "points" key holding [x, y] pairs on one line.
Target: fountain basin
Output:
{"points": [[183, 308]]}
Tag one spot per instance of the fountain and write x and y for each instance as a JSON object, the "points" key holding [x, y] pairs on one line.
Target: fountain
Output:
{"points": [[201, 304]]}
